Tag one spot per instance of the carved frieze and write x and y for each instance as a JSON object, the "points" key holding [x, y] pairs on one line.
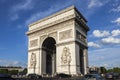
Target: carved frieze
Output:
{"points": [[34, 43], [66, 56], [81, 29], [52, 28], [80, 37], [80, 18], [65, 34]]}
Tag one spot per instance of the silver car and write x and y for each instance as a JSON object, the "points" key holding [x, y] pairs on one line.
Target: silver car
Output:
{"points": [[93, 77]]}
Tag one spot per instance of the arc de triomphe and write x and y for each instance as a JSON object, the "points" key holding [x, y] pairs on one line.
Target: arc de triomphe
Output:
{"points": [[58, 44]]}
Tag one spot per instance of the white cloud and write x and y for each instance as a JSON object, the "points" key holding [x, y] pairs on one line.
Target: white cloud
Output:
{"points": [[11, 63], [22, 6], [26, 5], [100, 57], [108, 57], [92, 44], [117, 21], [115, 32], [98, 33], [47, 12], [2, 61], [116, 9], [94, 3], [37, 16], [111, 40]]}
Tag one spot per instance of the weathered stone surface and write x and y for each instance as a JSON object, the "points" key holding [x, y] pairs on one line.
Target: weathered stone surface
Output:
{"points": [[58, 42]]}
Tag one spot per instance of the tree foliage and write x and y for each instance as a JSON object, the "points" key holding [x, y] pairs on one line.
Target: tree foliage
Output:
{"points": [[103, 70], [3, 71], [12, 72], [115, 69]]}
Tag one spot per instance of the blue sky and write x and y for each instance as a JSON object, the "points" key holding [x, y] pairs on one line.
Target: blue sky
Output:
{"points": [[103, 18]]}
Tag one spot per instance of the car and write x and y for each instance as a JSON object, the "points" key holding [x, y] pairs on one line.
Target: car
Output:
{"points": [[6, 77], [34, 76], [93, 72], [63, 75], [93, 77], [109, 75]]}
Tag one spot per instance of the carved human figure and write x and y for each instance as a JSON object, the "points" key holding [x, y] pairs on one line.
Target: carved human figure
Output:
{"points": [[66, 56], [33, 60]]}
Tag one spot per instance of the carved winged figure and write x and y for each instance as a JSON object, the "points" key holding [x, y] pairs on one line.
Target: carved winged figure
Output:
{"points": [[33, 60]]}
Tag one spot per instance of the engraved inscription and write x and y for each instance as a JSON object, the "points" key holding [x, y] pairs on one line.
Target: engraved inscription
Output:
{"points": [[65, 34], [34, 43]]}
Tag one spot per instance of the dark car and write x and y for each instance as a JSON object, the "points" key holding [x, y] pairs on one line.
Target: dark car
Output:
{"points": [[93, 77], [6, 77], [34, 76], [62, 75], [109, 75]]}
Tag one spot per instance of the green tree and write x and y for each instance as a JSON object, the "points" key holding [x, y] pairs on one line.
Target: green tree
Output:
{"points": [[13, 72], [103, 70], [25, 71], [116, 69], [109, 70], [3, 71]]}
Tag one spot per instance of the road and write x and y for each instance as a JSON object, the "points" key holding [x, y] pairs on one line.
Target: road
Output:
{"points": [[57, 79]]}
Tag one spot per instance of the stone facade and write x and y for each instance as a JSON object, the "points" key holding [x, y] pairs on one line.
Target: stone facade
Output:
{"points": [[58, 44]]}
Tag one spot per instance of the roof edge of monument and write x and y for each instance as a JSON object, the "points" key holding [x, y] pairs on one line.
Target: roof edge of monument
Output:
{"points": [[53, 15], [57, 13]]}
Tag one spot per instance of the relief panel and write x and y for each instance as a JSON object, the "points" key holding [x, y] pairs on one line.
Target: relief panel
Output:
{"points": [[66, 56], [52, 29], [33, 60], [34, 43], [65, 34], [80, 37]]}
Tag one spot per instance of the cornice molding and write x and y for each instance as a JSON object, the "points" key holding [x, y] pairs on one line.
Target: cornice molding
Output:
{"points": [[81, 43], [64, 43], [35, 49], [51, 24], [55, 14]]}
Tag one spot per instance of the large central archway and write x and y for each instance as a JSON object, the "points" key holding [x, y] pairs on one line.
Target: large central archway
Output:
{"points": [[50, 51]]}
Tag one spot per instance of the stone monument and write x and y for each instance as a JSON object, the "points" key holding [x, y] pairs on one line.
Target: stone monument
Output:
{"points": [[58, 44]]}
